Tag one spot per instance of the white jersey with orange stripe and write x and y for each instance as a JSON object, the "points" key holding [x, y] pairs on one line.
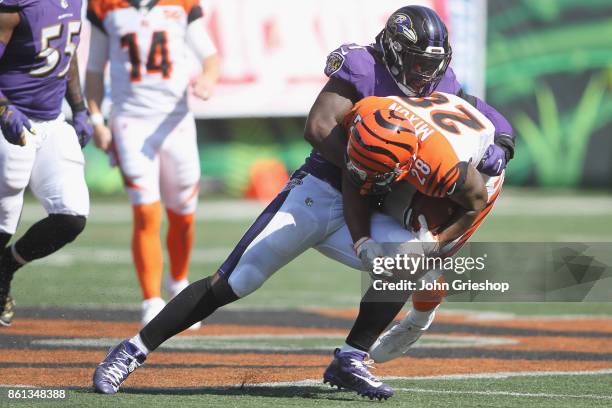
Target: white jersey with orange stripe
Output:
{"points": [[151, 63]]}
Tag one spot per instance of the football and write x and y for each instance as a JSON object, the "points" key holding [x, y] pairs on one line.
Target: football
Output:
{"points": [[437, 211]]}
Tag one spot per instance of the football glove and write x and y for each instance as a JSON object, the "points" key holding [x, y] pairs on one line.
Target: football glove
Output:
{"points": [[429, 242], [493, 162], [14, 124], [368, 250], [497, 156], [82, 125]]}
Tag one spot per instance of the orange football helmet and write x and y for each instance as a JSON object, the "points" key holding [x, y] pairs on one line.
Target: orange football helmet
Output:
{"points": [[381, 149]]}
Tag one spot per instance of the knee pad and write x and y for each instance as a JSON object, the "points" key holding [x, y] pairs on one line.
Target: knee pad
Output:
{"points": [[246, 279], [67, 227]]}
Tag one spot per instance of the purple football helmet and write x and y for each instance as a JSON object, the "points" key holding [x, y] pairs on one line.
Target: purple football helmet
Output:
{"points": [[415, 48]]}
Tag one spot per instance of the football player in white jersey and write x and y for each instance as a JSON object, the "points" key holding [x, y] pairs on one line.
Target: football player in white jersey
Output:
{"points": [[151, 134]]}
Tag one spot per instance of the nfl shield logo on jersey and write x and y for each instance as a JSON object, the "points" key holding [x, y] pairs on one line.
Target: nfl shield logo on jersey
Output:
{"points": [[64, 3]]}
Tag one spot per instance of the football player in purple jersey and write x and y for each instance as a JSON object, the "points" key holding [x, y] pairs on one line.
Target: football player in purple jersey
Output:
{"points": [[309, 211], [410, 57], [38, 70]]}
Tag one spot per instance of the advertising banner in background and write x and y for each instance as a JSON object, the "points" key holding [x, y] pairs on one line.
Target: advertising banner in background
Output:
{"points": [[273, 51], [273, 55], [548, 70]]}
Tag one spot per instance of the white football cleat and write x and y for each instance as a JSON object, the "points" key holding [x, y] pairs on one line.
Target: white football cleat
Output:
{"points": [[396, 341], [150, 308], [174, 288]]}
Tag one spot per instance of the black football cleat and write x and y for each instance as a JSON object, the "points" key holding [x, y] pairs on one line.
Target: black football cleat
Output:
{"points": [[7, 304]]}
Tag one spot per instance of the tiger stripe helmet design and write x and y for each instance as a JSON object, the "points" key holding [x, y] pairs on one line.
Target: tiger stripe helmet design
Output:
{"points": [[381, 149]]}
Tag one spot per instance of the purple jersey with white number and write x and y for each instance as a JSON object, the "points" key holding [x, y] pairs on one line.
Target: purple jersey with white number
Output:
{"points": [[363, 67], [34, 67]]}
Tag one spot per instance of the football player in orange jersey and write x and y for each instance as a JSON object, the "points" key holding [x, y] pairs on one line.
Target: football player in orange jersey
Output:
{"points": [[429, 144], [151, 134]]}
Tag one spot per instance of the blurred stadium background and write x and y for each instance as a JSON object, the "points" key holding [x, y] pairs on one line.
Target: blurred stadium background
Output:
{"points": [[546, 65]]}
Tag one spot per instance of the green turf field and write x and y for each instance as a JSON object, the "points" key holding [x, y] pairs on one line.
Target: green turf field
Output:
{"points": [[588, 391], [96, 272]]}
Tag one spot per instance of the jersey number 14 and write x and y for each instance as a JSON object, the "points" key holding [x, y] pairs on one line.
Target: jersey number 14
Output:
{"points": [[158, 60]]}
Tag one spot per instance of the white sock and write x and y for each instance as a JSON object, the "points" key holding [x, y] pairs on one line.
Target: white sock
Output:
{"points": [[350, 349], [137, 341], [421, 319]]}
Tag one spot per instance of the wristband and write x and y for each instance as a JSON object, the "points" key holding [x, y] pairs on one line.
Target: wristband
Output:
{"points": [[359, 242], [506, 142], [79, 106], [96, 118]]}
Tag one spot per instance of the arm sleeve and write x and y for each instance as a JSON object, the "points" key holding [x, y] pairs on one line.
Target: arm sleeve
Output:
{"points": [[98, 50], [199, 40]]}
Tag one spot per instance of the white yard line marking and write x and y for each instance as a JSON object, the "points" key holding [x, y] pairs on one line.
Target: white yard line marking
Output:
{"points": [[18, 386], [502, 375], [511, 204], [212, 342], [492, 316], [506, 393], [499, 375], [117, 256]]}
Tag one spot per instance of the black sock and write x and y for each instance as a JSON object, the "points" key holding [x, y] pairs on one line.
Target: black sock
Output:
{"points": [[4, 239], [195, 303], [8, 264], [49, 235], [7, 269], [376, 311]]}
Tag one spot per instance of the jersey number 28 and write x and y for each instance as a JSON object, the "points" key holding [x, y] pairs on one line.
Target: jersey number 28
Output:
{"points": [[158, 60]]}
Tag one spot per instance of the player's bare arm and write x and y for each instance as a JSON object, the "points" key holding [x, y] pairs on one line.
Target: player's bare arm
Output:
{"points": [[74, 97], [74, 94], [205, 84], [326, 133], [202, 46], [324, 130], [8, 22], [94, 91], [472, 197], [94, 88], [356, 209]]}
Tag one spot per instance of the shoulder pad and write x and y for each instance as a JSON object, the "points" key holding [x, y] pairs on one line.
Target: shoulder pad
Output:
{"points": [[354, 64], [349, 60], [449, 83], [15, 4]]}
